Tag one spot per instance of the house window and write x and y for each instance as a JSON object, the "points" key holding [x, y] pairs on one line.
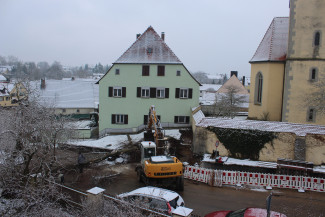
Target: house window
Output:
{"points": [[178, 73], [183, 93], [63, 110], [313, 74], [182, 119], [7, 98], [161, 71], [145, 70], [78, 110], [117, 71], [317, 39], [160, 92], [258, 88], [1, 98], [149, 50], [117, 91], [119, 119], [311, 113], [145, 92]]}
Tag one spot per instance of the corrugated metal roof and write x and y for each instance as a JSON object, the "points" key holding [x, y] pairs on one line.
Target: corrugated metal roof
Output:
{"points": [[149, 48], [273, 46], [270, 126]]}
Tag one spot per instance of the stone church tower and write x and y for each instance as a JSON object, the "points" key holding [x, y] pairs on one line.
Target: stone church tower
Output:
{"points": [[305, 61], [287, 64]]}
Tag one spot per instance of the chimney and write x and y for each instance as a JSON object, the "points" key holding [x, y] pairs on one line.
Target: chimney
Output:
{"points": [[243, 81], [163, 36], [43, 85], [138, 35], [234, 73]]}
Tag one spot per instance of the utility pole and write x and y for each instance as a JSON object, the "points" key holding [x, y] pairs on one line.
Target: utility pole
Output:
{"points": [[268, 204]]}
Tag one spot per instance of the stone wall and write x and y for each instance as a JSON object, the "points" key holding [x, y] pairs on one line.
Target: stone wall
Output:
{"points": [[204, 141], [315, 149]]}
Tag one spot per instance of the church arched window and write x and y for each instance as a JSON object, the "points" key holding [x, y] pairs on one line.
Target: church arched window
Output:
{"points": [[258, 88], [317, 39]]}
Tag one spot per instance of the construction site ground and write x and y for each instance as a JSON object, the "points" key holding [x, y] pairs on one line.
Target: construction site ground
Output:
{"points": [[118, 178]]}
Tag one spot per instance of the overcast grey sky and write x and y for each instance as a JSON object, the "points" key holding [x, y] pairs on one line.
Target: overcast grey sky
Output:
{"points": [[214, 36]]}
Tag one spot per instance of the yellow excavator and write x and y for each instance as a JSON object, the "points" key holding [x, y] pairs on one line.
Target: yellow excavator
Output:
{"points": [[157, 167]]}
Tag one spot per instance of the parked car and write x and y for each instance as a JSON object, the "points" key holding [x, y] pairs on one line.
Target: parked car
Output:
{"points": [[159, 199], [247, 212]]}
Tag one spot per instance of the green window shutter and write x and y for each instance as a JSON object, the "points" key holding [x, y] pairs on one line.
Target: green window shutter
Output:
{"points": [[110, 91], [113, 119], [166, 92], [190, 93], [138, 91], [153, 92], [177, 93], [123, 91]]}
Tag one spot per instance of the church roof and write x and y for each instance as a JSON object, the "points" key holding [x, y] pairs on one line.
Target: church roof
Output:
{"points": [[233, 82], [273, 46], [149, 48]]}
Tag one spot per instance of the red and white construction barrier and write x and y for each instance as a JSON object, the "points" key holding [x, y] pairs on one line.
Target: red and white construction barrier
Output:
{"points": [[216, 177]]}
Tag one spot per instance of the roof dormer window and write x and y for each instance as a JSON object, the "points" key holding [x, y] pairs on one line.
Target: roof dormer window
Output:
{"points": [[149, 50]]}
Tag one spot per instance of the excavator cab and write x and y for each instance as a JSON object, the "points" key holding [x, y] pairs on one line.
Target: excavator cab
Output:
{"points": [[148, 149]]}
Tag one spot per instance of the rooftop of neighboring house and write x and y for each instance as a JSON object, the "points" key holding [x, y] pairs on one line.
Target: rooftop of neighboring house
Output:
{"points": [[68, 93], [149, 48], [2, 78], [6, 88], [270, 126], [273, 46], [233, 84]]}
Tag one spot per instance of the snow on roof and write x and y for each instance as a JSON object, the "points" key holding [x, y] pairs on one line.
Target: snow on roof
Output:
{"points": [[182, 211], [270, 126], [162, 158], [96, 190], [2, 78], [7, 88], [78, 93], [168, 195], [209, 98], [233, 82], [273, 46], [147, 144], [205, 87], [149, 48], [198, 116]]}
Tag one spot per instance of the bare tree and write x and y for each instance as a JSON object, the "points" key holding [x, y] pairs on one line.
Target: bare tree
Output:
{"points": [[106, 207], [55, 71], [228, 104], [29, 134]]}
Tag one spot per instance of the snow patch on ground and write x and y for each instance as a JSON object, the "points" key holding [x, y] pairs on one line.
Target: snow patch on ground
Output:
{"points": [[320, 169], [113, 142], [246, 162]]}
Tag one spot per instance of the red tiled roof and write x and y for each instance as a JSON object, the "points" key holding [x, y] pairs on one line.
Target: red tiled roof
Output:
{"points": [[270, 126], [149, 48], [273, 46]]}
